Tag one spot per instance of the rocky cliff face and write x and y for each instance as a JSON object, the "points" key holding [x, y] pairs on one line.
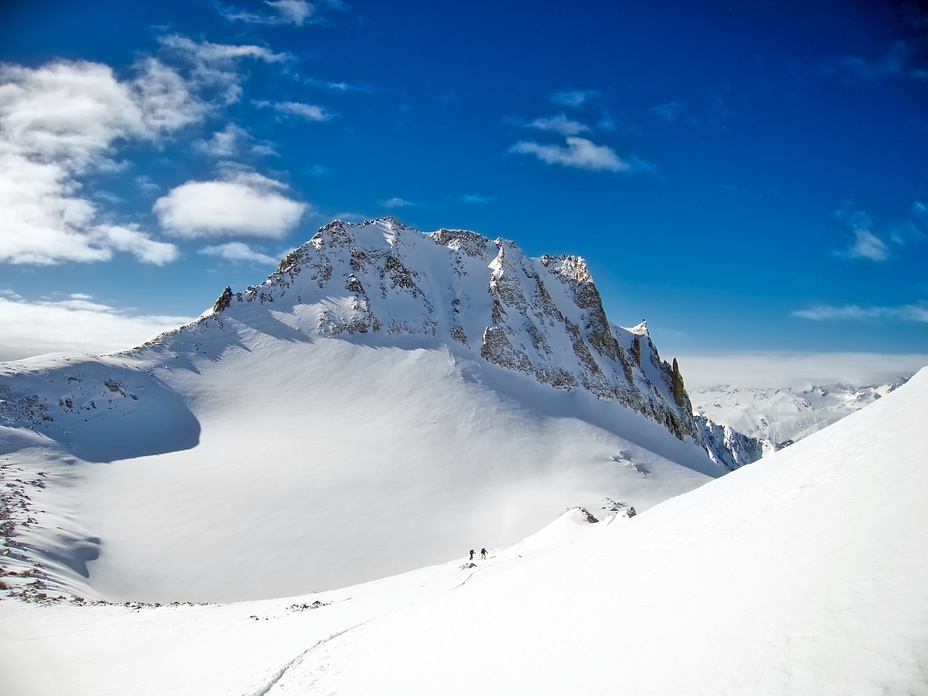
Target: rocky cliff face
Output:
{"points": [[541, 317]]}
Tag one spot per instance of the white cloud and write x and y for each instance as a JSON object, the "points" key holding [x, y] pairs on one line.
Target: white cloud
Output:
{"points": [[879, 242], [797, 370], [899, 61], [242, 203], [67, 120], [579, 153], [131, 240], [574, 98], [475, 198], [310, 112], [667, 111], [917, 312], [559, 124], [233, 141], [867, 245], [225, 143], [62, 121], [295, 12], [146, 185], [167, 100], [73, 325], [337, 86], [397, 203], [214, 55], [238, 251], [214, 67]]}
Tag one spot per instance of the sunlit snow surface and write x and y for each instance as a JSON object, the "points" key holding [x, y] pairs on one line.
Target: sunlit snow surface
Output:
{"points": [[802, 574]]}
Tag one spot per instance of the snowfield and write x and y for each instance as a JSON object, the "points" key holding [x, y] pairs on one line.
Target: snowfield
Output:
{"points": [[804, 573]]}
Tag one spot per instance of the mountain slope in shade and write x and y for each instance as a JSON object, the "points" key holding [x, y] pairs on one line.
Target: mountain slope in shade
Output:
{"points": [[383, 401], [802, 575]]}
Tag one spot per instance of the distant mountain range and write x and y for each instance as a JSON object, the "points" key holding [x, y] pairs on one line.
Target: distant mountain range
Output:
{"points": [[778, 417]]}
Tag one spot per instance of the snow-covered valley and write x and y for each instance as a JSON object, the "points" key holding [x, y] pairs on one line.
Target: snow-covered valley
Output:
{"points": [[801, 574]]}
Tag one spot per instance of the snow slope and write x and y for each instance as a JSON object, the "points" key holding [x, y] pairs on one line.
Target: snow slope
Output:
{"points": [[385, 401], [803, 574]]}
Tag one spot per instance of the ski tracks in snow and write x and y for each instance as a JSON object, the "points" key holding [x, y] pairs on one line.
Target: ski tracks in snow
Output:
{"points": [[277, 677], [279, 674]]}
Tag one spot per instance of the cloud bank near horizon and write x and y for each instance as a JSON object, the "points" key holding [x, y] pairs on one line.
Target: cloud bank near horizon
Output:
{"points": [[797, 370], [74, 324]]}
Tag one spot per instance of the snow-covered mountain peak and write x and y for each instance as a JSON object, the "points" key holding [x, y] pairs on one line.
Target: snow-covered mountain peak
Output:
{"points": [[486, 301], [378, 370]]}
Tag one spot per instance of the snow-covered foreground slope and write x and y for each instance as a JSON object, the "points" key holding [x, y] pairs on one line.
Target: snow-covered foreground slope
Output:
{"points": [[777, 417], [802, 574]]}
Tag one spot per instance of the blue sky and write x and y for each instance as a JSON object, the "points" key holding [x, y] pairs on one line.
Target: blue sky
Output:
{"points": [[749, 176]]}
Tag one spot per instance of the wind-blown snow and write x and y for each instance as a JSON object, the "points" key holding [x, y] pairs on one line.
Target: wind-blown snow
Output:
{"points": [[804, 573]]}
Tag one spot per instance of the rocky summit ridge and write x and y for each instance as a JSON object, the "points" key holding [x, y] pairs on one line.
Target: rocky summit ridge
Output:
{"points": [[543, 317]]}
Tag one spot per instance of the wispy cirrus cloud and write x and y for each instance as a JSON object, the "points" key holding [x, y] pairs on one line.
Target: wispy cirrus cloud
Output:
{"points": [[213, 69], [578, 153], [913, 313], [73, 323], [233, 141], [668, 111], [866, 245], [295, 12], [871, 241], [338, 86], [559, 124], [574, 98], [901, 60], [238, 252], [310, 112], [475, 198], [574, 151], [239, 203], [398, 203]]}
